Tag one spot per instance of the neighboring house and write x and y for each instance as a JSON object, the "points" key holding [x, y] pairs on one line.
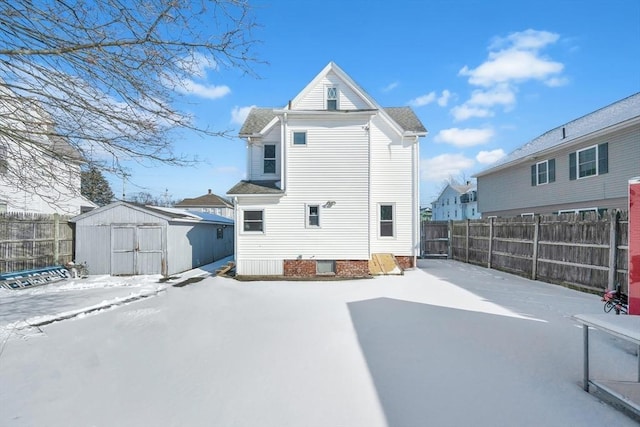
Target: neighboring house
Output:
{"points": [[124, 238], [425, 214], [583, 165], [332, 180], [456, 202], [209, 203], [40, 173]]}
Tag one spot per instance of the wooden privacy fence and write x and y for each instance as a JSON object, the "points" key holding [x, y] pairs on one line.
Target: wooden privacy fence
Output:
{"points": [[30, 241], [577, 250]]}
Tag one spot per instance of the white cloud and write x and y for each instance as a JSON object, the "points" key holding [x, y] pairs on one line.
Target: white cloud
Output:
{"points": [[239, 114], [557, 81], [444, 98], [516, 58], [498, 95], [440, 168], [511, 65], [390, 87], [464, 112], [197, 64], [464, 137], [488, 157], [423, 100], [527, 39], [189, 87]]}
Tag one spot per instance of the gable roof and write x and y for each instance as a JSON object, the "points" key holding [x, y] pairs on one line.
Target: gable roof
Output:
{"points": [[259, 118], [402, 118], [168, 214], [617, 113], [208, 199]]}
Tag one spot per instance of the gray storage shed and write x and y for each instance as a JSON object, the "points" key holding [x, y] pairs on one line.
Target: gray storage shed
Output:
{"points": [[128, 239]]}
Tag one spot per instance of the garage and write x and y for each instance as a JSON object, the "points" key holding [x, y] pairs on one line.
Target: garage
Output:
{"points": [[128, 239]]}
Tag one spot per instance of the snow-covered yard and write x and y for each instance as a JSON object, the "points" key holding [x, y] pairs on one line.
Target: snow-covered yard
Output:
{"points": [[449, 345]]}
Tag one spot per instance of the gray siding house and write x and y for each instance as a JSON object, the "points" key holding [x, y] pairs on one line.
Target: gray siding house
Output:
{"points": [[583, 165], [127, 239]]}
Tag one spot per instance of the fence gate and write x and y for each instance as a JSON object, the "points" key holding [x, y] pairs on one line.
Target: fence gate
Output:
{"points": [[136, 250], [434, 238]]}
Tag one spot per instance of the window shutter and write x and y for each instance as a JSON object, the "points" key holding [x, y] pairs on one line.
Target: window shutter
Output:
{"points": [[603, 158], [572, 166], [534, 175], [552, 170]]}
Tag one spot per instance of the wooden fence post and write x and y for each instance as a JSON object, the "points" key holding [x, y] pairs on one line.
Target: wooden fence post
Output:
{"points": [[466, 244], [450, 237], [613, 249], [536, 236], [490, 241], [56, 238]]}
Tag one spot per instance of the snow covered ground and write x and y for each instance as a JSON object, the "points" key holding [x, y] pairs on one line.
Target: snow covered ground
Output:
{"points": [[447, 345]]}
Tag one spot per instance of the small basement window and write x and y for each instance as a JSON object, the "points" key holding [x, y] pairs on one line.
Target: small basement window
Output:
{"points": [[324, 267]]}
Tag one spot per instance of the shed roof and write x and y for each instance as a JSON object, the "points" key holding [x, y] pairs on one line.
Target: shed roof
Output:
{"points": [[167, 214], [611, 115]]}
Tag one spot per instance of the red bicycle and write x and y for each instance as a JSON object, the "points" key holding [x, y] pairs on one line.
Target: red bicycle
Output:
{"points": [[615, 299]]}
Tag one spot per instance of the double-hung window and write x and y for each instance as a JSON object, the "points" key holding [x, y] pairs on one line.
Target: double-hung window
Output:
{"points": [[332, 98], [253, 221], [269, 158], [386, 220], [589, 161], [313, 216], [543, 172]]}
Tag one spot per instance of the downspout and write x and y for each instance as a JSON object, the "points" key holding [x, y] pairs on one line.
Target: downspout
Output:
{"points": [[283, 163], [415, 152], [236, 230], [369, 189]]}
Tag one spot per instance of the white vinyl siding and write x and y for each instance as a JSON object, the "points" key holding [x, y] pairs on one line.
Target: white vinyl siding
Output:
{"points": [[347, 99], [391, 177]]}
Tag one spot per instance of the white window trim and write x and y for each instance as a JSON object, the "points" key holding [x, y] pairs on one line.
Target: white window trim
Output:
{"points": [[326, 96], [538, 183], [526, 214], [293, 138], [394, 221], [306, 215], [597, 160], [264, 222]]}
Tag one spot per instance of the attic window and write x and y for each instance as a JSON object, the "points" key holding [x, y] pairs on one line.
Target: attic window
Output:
{"points": [[332, 98]]}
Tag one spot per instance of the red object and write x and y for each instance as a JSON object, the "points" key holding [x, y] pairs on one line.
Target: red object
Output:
{"points": [[634, 246]]}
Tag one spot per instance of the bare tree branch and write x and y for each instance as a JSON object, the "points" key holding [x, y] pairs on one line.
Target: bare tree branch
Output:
{"points": [[100, 77]]}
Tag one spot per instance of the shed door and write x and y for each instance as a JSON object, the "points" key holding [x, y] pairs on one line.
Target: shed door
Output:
{"points": [[136, 250], [123, 246], [149, 256]]}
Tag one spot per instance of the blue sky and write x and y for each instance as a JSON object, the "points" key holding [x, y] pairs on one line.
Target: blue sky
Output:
{"points": [[484, 76]]}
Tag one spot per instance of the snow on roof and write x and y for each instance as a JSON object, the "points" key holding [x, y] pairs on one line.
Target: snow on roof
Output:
{"points": [[618, 112]]}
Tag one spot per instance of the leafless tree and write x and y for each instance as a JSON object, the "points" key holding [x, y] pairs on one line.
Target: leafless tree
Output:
{"points": [[96, 80]]}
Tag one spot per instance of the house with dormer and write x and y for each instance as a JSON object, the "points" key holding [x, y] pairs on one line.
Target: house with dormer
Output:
{"points": [[332, 184], [456, 202], [581, 166]]}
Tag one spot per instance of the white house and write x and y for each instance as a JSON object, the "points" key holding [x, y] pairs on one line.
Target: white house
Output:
{"points": [[332, 183], [456, 202], [39, 171]]}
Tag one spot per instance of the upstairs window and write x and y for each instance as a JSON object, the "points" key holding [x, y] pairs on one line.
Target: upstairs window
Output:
{"points": [[332, 98], [269, 158], [543, 172], [299, 138], [220, 233], [589, 161], [386, 221]]}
